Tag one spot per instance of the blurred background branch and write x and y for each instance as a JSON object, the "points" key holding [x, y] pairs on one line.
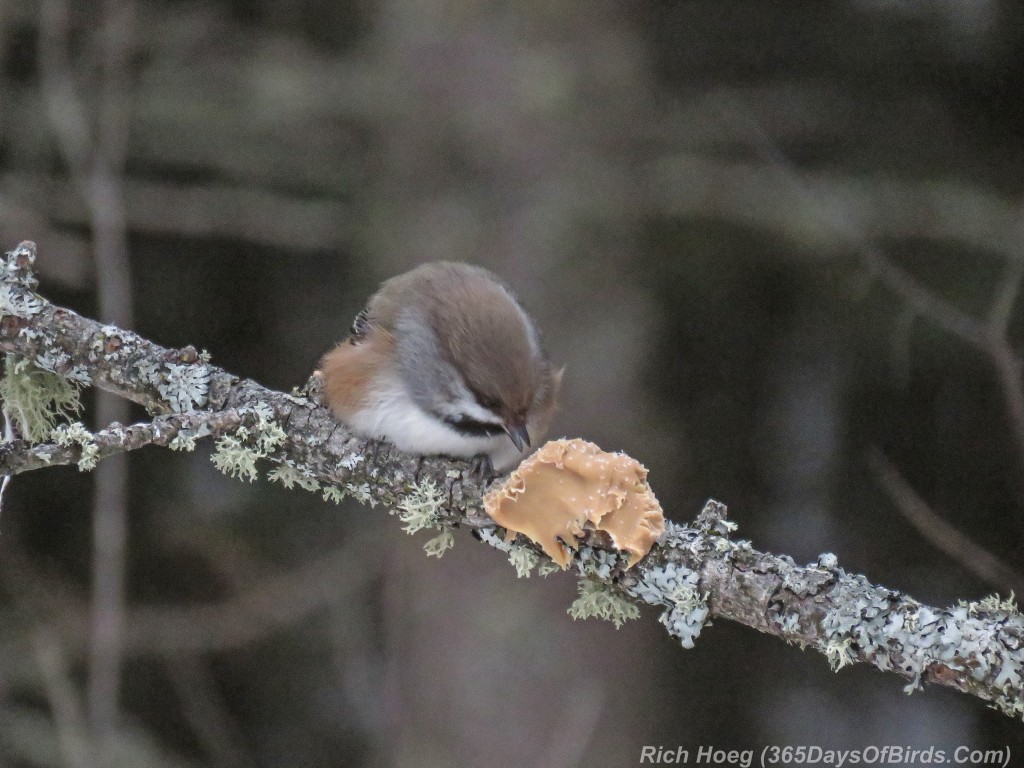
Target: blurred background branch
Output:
{"points": [[94, 149], [939, 533], [272, 162]]}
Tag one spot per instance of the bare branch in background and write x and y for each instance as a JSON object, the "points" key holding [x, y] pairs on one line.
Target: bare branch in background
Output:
{"points": [[65, 107], [272, 603], [204, 708], [1004, 357], [1007, 293], [831, 214], [692, 572], [989, 336], [96, 159], [264, 217], [68, 717], [940, 533], [924, 302]]}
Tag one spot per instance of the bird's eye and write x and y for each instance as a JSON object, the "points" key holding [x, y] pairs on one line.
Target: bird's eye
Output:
{"points": [[490, 403]]}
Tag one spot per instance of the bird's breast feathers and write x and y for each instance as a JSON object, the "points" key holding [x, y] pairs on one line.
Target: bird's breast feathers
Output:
{"points": [[389, 413]]}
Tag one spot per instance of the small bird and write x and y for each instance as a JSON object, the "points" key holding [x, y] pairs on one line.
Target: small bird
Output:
{"points": [[444, 360]]}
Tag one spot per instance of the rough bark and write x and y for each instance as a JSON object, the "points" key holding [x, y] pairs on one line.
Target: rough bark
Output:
{"points": [[694, 572]]}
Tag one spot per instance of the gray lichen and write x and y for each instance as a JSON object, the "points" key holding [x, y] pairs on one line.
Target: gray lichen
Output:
{"points": [[184, 387], [599, 563], [18, 303], [489, 535], [333, 493], [678, 589], [976, 643]]}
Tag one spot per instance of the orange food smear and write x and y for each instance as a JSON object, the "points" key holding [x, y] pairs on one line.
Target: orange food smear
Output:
{"points": [[569, 485]]}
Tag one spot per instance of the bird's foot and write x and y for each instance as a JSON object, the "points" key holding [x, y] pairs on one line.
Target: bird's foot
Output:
{"points": [[482, 468]]}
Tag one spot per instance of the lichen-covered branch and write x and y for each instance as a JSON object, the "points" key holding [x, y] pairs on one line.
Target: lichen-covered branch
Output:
{"points": [[692, 573], [184, 382], [975, 647], [73, 445]]}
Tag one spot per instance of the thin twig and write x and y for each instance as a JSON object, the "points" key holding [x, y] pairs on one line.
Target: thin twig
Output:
{"points": [[273, 604], [940, 533], [68, 718], [8, 440], [97, 163], [17, 456], [204, 707], [924, 302], [1007, 293]]}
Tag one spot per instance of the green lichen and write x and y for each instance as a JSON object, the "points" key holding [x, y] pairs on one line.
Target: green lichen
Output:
{"points": [[440, 544], [75, 433], [547, 567], [289, 475], [361, 493], [268, 433], [523, 559], [333, 493], [182, 442], [236, 454], [35, 400], [597, 600], [420, 508], [839, 655], [233, 457], [990, 604]]}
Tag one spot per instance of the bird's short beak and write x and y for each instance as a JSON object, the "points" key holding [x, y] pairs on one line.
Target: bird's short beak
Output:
{"points": [[518, 435]]}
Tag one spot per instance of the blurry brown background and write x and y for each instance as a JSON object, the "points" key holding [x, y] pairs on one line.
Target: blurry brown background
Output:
{"points": [[697, 200]]}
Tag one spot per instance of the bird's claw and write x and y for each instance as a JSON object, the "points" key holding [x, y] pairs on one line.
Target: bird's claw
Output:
{"points": [[482, 468]]}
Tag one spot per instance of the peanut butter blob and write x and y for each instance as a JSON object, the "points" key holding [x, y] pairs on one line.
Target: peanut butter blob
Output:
{"points": [[570, 486]]}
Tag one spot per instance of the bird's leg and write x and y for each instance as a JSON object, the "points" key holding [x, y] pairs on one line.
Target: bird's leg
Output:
{"points": [[482, 468]]}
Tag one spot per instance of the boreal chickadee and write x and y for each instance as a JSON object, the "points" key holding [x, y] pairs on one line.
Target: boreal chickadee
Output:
{"points": [[444, 360]]}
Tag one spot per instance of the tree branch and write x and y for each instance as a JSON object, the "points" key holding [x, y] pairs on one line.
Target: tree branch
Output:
{"points": [[692, 573], [17, 456]]}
